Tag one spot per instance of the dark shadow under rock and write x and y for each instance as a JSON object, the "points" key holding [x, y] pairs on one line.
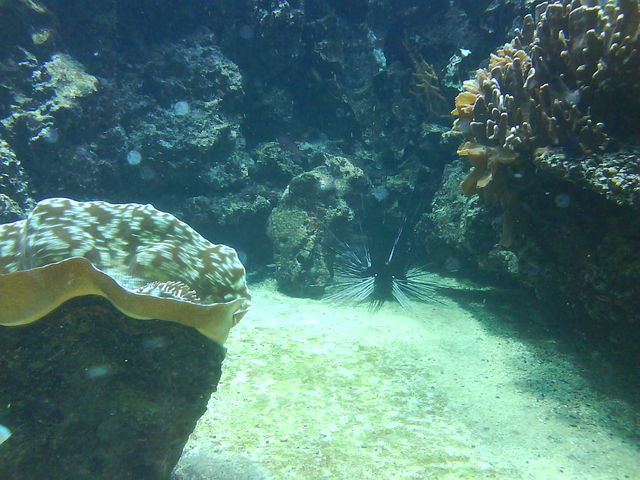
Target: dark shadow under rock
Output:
{"points": [[89, 393]]}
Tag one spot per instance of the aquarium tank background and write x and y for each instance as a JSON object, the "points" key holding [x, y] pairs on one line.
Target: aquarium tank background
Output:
{"points": [[319, 239]]}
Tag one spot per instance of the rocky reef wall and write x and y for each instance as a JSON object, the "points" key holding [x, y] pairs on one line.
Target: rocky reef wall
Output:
{"points": [[216, 111], [547, 129]]}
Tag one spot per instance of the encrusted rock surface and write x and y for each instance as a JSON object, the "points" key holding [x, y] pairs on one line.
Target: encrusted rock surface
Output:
{"points": [[457, 225], [89, 393], [576, 249], [15, 186], [314, 203], [550, 140], [616, 176], [49, 103]]}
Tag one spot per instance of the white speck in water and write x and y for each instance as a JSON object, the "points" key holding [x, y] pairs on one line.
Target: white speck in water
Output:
{"points": [[134, 157], [246, 32], [181, 108], [147, 173]]}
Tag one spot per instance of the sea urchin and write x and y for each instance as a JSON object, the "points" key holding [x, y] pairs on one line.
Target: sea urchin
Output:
{"points": [[374, 276]]}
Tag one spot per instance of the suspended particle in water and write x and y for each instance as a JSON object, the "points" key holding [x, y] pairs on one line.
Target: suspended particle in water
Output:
{"points": [[154, 342], [134, 157], [147, 173], [562, 200], [246, 32], [380, 193], [181, 108]]}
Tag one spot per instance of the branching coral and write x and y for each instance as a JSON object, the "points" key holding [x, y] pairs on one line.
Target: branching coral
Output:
{"points": [[426, 80], [566, 79]]}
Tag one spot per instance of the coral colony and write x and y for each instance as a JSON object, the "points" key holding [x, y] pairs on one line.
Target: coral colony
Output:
{"points": [[548, 87]]}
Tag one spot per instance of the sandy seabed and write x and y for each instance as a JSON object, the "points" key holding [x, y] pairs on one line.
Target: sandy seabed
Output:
{"points": [[314, 391]]}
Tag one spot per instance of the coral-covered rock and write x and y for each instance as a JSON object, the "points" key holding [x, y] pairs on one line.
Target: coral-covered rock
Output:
{"points": [[575, 249], [542, 123], [312, 204], [553, 85], [457, 229], [135, 384], [49, 106], [15, 186], [10, 211], [616, 176], [26, 23], [278, 162]]}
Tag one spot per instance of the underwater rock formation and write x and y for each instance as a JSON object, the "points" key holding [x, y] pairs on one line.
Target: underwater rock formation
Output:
{"points": [[15, 186], [172, 117], [456, 220], [238, 216], [173, 101], [576, 251], [24, 21], [186, 123], [89, 393], [614, 175], [46, 100], [554, 163], [312, 205]]}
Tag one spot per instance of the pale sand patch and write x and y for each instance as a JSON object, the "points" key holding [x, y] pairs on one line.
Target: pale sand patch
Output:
{"points": [[312, 391]]}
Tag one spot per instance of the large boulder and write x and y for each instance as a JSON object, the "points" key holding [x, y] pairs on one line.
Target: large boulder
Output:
{"points": [[89, 393], [314, 204]]}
